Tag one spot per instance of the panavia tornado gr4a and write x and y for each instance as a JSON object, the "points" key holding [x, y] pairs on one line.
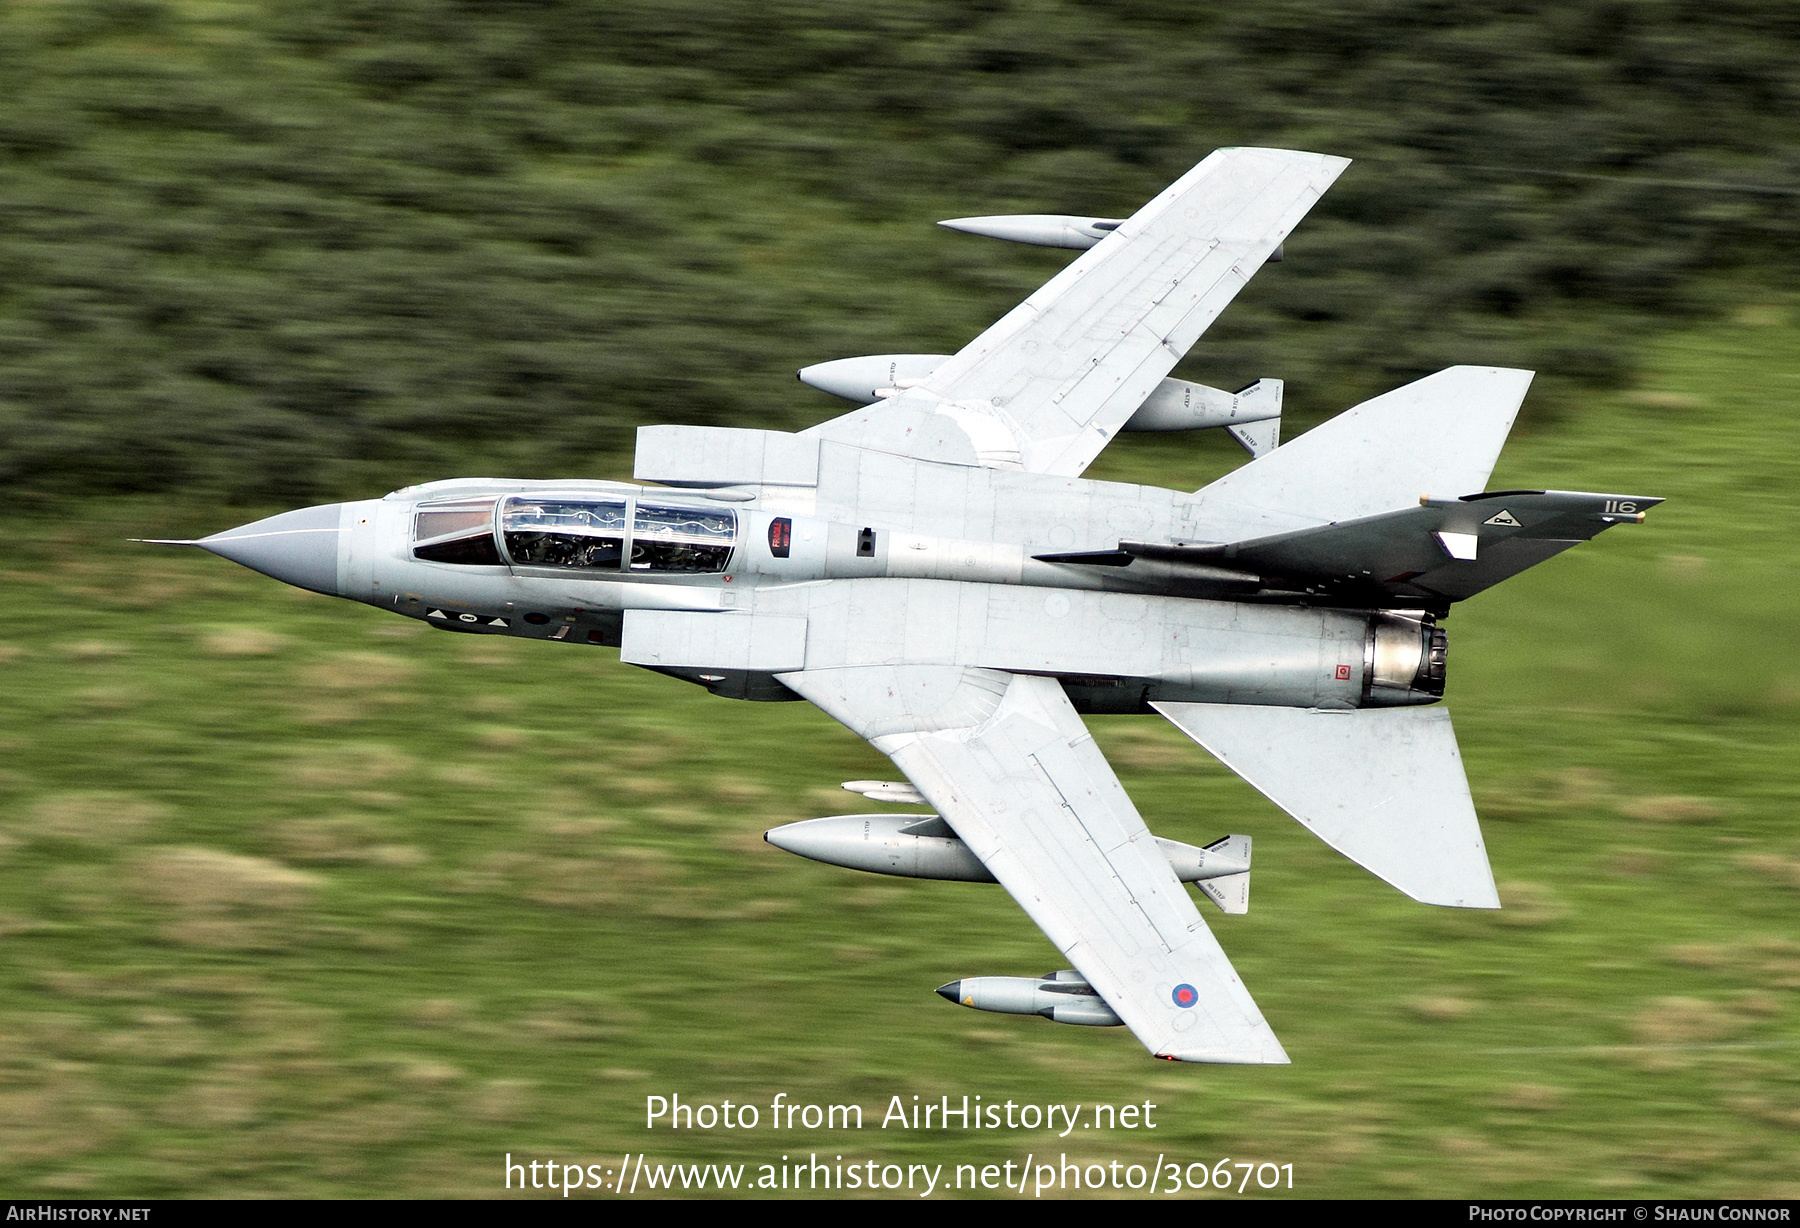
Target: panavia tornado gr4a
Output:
{"points": [[932, 570]]}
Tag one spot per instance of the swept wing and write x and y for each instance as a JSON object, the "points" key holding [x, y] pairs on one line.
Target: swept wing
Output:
{"points": [[1048, 386], [1007, 762]]}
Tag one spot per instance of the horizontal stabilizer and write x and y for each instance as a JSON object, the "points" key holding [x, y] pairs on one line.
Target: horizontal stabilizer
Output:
{"points": [[1383, 786], [1438, 436]]}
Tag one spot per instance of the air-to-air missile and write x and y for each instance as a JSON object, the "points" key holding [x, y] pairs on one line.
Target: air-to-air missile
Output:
{"points": [[1060, 996], [1050, 230], [1038, 229]]}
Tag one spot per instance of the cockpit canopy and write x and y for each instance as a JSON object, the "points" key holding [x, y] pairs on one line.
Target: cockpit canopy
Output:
{"points": [[667, 538], [585, 536]]}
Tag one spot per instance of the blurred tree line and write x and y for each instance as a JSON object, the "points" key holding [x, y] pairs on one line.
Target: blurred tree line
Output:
{"points": [[281, 249]]}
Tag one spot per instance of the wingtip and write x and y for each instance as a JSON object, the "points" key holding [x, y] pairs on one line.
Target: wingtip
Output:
{"points": [[1489, 899], [1337, 160], [1258, 1048], [1214, 1057]]}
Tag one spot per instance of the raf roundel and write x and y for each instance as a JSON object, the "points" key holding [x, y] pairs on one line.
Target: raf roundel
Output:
{"points": [[1185, 995]]}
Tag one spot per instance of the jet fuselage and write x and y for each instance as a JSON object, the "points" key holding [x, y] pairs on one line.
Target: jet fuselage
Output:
{"points": [[589, 562]]}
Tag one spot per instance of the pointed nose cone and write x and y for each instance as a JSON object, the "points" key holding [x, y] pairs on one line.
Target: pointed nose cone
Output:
{"points": [[951, 992], [298, 548]]}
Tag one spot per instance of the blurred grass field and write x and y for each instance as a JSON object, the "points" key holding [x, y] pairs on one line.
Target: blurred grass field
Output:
{"points": [[301, 899]]}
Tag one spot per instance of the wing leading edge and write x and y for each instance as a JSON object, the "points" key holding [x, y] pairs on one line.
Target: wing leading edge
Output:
{"points": [[1007, 762], [1049, 384]]}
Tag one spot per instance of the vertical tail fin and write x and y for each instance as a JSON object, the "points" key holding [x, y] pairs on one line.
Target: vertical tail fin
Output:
{"points": [[1232, 891]]}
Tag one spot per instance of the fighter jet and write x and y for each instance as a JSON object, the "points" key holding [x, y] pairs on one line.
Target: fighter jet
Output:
{"points": [[932, 570]]}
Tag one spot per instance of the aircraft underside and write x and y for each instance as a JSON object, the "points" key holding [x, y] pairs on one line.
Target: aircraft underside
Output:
{"points": [[931, 570]]}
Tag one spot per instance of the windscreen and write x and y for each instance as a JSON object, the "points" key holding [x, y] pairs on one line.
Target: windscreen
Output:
{"points": [[460, 532]]}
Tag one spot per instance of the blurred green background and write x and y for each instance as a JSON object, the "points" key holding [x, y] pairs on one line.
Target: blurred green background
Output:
{"points": [[294, 900]]}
